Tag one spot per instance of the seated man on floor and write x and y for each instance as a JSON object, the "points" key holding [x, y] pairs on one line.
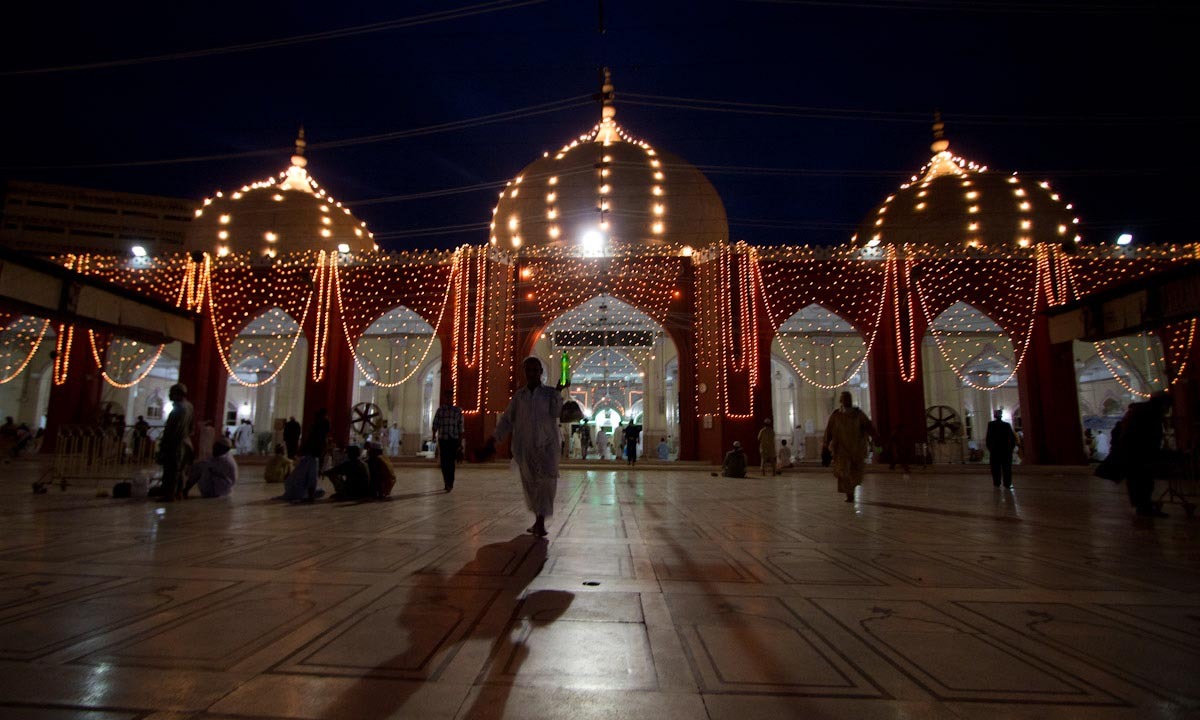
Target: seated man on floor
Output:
{"points": [[215, 476], [735, 462], [383, 477], [351, 479]]}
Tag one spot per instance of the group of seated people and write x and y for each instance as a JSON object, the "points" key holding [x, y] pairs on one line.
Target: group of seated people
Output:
{"points": [[352, 476]]}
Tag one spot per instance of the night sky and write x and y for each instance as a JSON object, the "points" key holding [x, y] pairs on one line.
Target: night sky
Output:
{"points": [[804, 115]]}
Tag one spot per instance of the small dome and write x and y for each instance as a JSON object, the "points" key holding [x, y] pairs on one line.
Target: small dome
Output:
{"points": [[285, 214], [606, 190], [954, 203]]}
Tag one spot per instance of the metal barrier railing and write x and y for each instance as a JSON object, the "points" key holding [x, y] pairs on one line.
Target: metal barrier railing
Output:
{"points": [[100, 453]]}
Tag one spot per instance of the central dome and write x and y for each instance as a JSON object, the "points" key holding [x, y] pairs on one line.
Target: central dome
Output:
{"points": [[285, 214], [605, 191]]}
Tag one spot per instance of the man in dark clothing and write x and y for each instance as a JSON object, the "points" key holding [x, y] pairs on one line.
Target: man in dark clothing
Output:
{"points": [[141, 432], [291, 436], [735, 462], [1137, 443], [175, 444], [351, 478], [1001, 440], [318, 434], [448, 432], [633, 435]]}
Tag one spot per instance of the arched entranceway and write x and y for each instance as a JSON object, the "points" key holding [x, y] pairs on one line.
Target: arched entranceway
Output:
{"points": [[1111, 374], [970, 370], [26, 345], [393, 357], [266, 386], [815, 356], [620, 360]]}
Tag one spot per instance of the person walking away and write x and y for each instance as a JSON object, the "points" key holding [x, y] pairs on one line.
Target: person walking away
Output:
{"points": [[215, 476], [601, 443], [846, 436], [278, 466], [531, 419], [447, 433], [291, 436], [633, 435], [1136, 446], [734, 465], [585, 439], [175, 444], [766, 446], [1000, 441]]}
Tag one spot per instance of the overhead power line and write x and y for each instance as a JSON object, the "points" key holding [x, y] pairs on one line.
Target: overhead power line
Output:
{"points": [[411, 21], [903, 116], [1046, 7], [518, 114]]}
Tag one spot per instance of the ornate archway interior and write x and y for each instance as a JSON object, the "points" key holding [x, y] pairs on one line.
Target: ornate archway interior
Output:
{"points": [[26, 346], [396, 358], [815, 356], [969, 372], [268, 358], [1110, 375], [623, 366]]}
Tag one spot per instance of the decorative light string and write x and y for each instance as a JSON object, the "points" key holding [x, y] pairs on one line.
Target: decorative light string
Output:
{"points": [[100, 362], [771, 316], [337, 285], [33, 348], [62, 353], [892, 269], [212, 308]]}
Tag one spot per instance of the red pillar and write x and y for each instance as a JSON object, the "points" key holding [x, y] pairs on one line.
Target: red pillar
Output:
{"points": [[201, 370], [334, 391], [1050, 423], [77, 400], [681, 324], [897, 404]]}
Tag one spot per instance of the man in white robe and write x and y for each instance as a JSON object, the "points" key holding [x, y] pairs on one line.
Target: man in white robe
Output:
{"points": [[243, 438], [532, 420]]}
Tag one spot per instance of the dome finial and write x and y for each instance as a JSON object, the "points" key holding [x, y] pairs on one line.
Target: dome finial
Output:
{"points": [[607, 132], [298, 158], [940, 143]]}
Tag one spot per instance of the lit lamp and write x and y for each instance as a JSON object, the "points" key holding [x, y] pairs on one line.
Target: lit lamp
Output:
{"points": [[1124, 239], [138, 251], [592, 242]]}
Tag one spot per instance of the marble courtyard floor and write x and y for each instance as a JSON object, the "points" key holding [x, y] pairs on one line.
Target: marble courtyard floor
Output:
{"points": [[660, 594]]}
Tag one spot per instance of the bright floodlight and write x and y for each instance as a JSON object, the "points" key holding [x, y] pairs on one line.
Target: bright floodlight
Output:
{"points": [[1124, 239], [344, 248], [593, 242], [138, 251]]}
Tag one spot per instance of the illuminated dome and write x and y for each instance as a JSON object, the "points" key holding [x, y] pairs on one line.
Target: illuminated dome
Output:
{"points": [[284, 214], [606, 190], [954, 203]]}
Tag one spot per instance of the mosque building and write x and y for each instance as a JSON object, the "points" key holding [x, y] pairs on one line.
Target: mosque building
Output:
{"points": [[614, 257]]}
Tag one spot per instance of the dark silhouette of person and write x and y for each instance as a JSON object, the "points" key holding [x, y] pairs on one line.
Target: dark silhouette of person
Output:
{"points": [[291, 437], [1000, 441], [1136, 445], [448, 433]]}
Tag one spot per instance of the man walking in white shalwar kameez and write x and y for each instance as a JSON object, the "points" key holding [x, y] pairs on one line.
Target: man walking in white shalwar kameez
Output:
{"points": [[532, 419]]}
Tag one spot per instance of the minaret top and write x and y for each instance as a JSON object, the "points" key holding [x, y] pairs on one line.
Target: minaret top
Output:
{"points": [[940, 143], [298, 158], [608, 126]]}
